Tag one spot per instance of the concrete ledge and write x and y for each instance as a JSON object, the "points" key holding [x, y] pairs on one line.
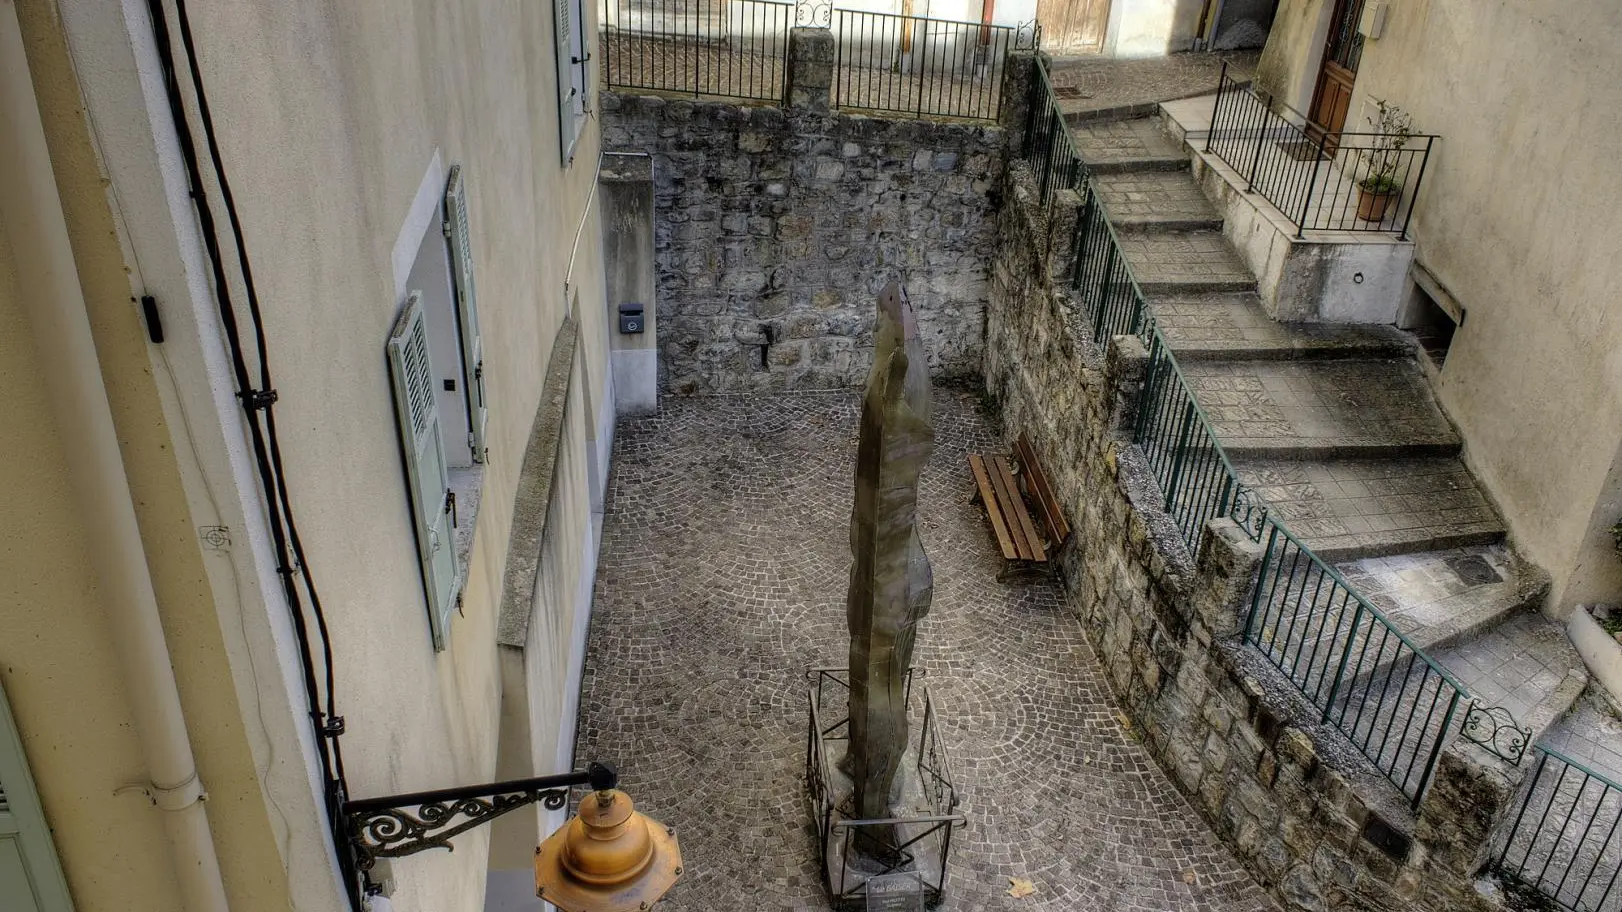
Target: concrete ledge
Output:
{"points": [[1328, 276]]}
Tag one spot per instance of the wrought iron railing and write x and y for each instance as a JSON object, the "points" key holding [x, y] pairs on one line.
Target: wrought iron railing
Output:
{"points": [[710, 48], [1396, 704], [1566, 842], [1318, 180], [923, 67], [921, 844], [1048, 147]]}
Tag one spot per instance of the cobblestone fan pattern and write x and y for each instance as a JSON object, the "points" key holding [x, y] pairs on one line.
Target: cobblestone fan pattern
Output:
{"points": [[1295, 799], [775, 228], [725, 554]]}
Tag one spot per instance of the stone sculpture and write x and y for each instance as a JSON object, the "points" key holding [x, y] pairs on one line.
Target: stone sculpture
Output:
{"points": [[890, 580]]}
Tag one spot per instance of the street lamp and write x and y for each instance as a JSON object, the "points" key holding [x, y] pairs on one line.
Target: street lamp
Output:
{"points": [[609, 858]]}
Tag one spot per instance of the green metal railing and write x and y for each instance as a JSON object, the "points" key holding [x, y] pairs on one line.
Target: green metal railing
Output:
{"points": [[1396, 704], [1564, 842], [1048, 147]]}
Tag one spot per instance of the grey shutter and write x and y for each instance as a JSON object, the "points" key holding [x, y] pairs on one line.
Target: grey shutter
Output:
{"points": [[570, 102], [429, 480], [467, 312], [30, 876]]}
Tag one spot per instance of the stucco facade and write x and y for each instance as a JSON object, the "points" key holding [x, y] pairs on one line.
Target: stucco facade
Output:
{"points": [[331, 118], [1515, 220]]}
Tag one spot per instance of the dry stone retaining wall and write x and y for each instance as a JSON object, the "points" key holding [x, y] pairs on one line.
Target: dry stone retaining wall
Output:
{"points": [[1305, 814], [775, 229]]}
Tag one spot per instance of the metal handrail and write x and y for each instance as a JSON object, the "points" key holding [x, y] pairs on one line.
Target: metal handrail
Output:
{"points": [[1534, 838]]}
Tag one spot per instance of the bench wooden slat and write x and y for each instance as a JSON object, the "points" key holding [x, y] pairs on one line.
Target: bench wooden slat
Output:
{"points": [[990, 497], [1042, 492], [1019, 522]]}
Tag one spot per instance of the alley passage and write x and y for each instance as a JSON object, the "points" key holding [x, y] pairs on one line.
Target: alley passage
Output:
{"points": [[722, 578]]}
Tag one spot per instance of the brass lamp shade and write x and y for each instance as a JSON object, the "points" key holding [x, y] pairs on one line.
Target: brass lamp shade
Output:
{"points": [[608, 859]]}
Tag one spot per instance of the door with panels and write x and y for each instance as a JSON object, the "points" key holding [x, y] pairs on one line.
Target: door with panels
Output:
{"points": [[30, 876]]}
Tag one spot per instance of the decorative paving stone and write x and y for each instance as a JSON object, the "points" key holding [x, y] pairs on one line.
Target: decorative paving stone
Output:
{"points": [[722, 579]]}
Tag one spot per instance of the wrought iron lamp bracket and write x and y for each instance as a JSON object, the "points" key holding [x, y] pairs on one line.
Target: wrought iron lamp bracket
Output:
{"points": [[394, 826]]}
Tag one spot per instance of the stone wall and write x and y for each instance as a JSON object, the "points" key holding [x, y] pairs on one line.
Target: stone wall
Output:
{"points": [[1314, 823], [776, 228]]}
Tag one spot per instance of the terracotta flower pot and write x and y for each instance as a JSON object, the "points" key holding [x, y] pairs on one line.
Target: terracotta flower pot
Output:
{"points": [[1371, 207]]}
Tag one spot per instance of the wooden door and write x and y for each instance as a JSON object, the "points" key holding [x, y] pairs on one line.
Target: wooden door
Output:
{"points": [[1332, 97], [1073, 26]]}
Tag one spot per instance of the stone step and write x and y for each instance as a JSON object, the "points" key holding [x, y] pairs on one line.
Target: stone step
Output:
{"points": [[1524, 665], [1170, 263], [1321, 410], [1233, 327], [1156, 200], [1347, 510], [1445, 597], [1117, 146]]}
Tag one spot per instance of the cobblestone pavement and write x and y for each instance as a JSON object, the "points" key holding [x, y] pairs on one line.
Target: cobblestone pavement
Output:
{"points": [[1087, 85], [722, 580]]}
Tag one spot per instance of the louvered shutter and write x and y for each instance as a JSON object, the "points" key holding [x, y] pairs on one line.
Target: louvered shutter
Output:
{"points": [[429, 480], [467, 312], [571, 100], [30, 875]]}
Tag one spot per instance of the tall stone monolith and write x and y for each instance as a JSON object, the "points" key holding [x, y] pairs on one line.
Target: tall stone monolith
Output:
{"points": [[890, 580]]}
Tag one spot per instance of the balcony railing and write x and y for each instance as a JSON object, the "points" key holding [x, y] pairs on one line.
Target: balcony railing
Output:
{"points": [[922, 67], [734, 49], [1318, 180]]}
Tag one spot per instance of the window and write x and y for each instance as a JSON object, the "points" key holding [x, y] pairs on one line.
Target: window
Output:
{"points": [[436, 362], [30, 875], [1431, 313], [568, 21]]}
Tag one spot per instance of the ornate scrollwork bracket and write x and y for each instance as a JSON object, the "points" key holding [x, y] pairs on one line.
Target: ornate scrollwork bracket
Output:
{"points": [[1028, 36], [1495, 729], [813, 13], [397, 825], [1248, 510]]}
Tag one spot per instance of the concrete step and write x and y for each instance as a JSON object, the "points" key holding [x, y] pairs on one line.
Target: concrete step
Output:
{"points": [[1321, 410], [1232, 327], [1353, 509], [1156, 200], [1120, 146], [1524, 665], [1173, 263]]}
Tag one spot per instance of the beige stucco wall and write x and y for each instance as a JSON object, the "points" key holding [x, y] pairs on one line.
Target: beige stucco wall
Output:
{"points": [[328, 113], [56, 656], [1518, 218]]}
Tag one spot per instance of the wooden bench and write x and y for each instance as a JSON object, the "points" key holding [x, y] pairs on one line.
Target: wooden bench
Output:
{"points": [[1005, 485]]}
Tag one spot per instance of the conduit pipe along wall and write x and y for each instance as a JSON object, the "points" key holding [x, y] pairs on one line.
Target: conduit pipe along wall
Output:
{"points": [[32, 216]]}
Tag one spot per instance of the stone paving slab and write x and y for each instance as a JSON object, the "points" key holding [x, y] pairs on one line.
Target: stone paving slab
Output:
{"points": [[1094, 86], [1520, 665], [1156, 199], [1437, 597], [724, 562], [1321, 409], [1181, 262], [1233, 326], [1591, 735], [1368, 508], [1128, 145]]}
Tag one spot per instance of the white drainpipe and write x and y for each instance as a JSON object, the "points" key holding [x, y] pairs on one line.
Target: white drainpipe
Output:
{"points": [[49, 281]]}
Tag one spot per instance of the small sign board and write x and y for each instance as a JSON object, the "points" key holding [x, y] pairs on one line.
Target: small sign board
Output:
{"points": [[900, 892]]}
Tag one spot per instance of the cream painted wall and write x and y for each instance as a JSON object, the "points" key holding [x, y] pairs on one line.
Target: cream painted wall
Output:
{"points": [[1518, 218], [328, 112]]}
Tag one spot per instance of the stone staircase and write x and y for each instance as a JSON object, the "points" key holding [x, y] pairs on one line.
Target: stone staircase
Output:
{"points": [[1335, 427]]}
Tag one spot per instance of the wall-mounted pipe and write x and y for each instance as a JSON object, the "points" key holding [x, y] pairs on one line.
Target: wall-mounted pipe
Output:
{"points": [[31, 213]]}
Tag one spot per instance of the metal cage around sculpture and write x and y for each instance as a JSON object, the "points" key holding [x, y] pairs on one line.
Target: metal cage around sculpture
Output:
{"points": [[919, 843]]}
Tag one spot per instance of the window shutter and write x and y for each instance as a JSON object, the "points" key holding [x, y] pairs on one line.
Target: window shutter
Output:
{"points": [[571, 100], [429, 480], [467, 312], [30, 876]]}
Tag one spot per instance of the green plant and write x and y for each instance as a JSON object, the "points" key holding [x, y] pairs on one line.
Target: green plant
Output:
{"points": [[1616, 536], [1394, 128]]}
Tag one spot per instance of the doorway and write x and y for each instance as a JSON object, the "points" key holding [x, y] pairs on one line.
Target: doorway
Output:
{"points": [[1343, 48], [1073, 26]]}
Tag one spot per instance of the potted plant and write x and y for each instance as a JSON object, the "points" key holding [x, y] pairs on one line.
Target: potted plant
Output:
{"points": [[1379, 187]]}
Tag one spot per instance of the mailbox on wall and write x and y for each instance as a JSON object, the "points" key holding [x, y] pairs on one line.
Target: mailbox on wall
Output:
{"points": [[631, 321]]}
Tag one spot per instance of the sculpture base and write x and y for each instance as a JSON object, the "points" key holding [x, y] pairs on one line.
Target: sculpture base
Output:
{"points": [[917, 836]]}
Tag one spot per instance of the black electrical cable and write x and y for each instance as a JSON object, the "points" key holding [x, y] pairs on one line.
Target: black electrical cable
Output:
{"points": [[257, 403]]}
